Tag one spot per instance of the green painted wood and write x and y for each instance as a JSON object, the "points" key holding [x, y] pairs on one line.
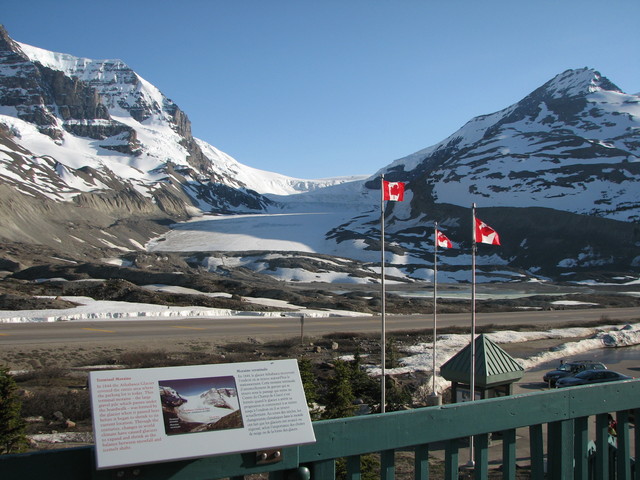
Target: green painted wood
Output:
{"points": [[536, 448], [636, 435], [323, 470], [451, 459], [509, 454], [481, 456], [552, 445], [580, 444], [602, 447], [421, 462], [373, 433], [353, 468], [410, 428], [279, 475], [387, 465], [560, 449], [71, 463], [623, 456]]}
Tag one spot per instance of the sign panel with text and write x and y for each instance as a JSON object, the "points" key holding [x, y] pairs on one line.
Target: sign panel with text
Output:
{"points": [[161, 414]]}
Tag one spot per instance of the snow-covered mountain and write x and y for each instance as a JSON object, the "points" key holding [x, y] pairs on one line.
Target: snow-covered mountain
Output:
{"points": [[95, 162], [557, 174], [573, 145], [76, 132]]}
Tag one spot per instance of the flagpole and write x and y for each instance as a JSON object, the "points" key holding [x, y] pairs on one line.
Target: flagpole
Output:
{"points": [[435, 296], [473, 304], [472, 373], [383, 345]]}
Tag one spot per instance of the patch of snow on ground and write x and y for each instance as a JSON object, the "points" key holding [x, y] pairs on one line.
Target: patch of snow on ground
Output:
{"points": [[91, 309], [184, 290], [571, 302]]}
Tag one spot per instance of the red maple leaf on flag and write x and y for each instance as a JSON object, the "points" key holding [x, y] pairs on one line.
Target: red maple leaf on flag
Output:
{"points": [[442, 240], [486, 234], [393, 191]]}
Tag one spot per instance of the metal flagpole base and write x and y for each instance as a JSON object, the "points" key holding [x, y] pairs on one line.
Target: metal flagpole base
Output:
{"points": [[434, 399]]}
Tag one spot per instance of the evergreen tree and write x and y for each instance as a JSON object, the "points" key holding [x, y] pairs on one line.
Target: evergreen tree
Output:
{"points": [[340, 397], [12, 426], [308, 380], [391, 357], [364, 387]]}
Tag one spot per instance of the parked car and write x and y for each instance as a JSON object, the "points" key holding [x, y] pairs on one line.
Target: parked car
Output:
{"points": [[587, 377], [571, 368]]}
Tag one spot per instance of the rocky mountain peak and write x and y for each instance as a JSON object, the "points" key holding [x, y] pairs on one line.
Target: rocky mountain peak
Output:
{"points": [[7, 44], [578, 82]]}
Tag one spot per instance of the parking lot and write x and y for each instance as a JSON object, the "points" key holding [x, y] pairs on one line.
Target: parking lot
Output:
{"points": [[625, 360]]}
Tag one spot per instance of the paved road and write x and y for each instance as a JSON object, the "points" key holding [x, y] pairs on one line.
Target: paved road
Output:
{"points": [[220, 330]]}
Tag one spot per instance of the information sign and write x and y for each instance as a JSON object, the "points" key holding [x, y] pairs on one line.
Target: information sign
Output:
{"points": [[161, 414]]}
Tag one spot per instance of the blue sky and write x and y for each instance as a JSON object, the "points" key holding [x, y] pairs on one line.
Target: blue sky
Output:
{"points": [[320, 88]]}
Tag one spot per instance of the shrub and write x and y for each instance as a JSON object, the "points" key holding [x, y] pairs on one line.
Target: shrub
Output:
{"points": [[73, 404]]}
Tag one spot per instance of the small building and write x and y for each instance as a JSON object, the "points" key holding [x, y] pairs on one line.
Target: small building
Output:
{"points": [[495, 371]]}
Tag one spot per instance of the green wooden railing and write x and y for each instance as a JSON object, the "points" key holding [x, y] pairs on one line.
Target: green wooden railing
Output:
{"points": [[561, 425]]}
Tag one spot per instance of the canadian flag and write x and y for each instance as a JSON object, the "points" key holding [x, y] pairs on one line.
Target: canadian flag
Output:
{"points": [[486, 234], [442, 240], [393, 191]]}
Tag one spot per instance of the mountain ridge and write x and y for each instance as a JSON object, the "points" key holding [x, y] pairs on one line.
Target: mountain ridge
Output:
{"points": [[95, 162]]}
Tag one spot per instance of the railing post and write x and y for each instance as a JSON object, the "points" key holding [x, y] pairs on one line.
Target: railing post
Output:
{"points": [[509, 454], [536, 447], [623, 458], [560, 450], [387, 465], [636, 414], [451, 459], [353, 468], [602, 447], [323, 470], [421, 462], [580, 448], [481, 456]]}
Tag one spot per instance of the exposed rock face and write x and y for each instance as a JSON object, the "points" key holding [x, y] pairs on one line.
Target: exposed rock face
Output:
{"points": [[73, 98]]}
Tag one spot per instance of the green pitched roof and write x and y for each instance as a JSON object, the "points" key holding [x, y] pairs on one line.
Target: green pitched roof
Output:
{"points": [[493, 365]]}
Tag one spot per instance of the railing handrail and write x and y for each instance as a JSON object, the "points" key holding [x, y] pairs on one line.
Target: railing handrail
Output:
{"points": [[563, 410]]}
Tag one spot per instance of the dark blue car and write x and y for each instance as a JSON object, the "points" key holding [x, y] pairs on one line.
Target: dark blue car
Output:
{"points": [[571, 368], [587, 377]]}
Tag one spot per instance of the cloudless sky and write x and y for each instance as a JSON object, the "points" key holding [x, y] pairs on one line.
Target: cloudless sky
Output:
{"points": [[320, 88]]}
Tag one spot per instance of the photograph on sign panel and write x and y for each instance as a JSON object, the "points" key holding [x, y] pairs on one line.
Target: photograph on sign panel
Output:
{"points": [[200, 404]]}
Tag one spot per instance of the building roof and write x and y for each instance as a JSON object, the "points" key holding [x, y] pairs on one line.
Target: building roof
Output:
{"points": [[493, 365]]}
